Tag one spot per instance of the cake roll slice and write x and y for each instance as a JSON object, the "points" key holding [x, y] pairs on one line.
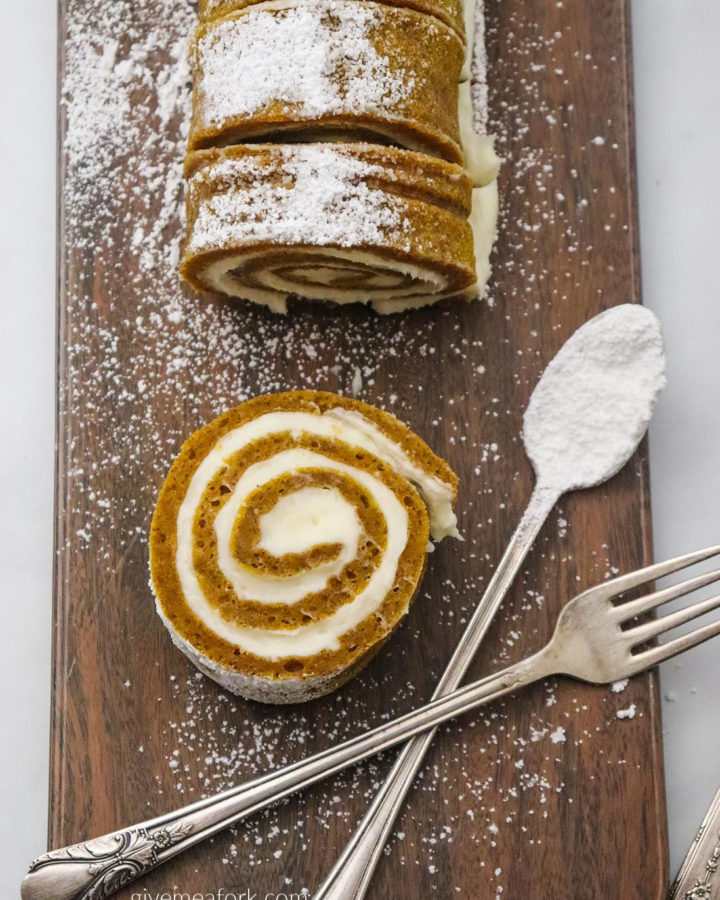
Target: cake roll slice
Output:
{"points": [[339, 222], [330, 70], [289, 540], [450, 12]]}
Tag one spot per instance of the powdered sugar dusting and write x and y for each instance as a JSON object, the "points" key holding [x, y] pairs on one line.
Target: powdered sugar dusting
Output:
{"points": [[330, 203], [319, 55], [125, 93]]}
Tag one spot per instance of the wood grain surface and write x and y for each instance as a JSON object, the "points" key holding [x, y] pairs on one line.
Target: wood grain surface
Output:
{"points": [[545, 796]]}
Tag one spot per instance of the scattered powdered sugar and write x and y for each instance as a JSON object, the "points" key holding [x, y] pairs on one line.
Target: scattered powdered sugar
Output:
{"points": [[594, 401], [125, 91], [323, 198], [628, 713], [146, 362], [617, 687], [558, 736], [319, 55]]}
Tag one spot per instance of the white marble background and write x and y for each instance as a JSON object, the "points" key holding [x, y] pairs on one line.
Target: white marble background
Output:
{"points": [[678, 122]]}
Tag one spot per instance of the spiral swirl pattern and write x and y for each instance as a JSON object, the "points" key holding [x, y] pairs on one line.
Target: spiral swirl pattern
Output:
{"points": [[290, 538]]}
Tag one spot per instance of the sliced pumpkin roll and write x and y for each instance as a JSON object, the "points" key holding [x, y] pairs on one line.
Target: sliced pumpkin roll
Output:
{"points": [[450, 12], [329, 70], [343, 222], [290, 538]]}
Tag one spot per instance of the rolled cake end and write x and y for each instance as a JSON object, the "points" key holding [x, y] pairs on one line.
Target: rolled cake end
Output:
{"points": [[347, 223]]}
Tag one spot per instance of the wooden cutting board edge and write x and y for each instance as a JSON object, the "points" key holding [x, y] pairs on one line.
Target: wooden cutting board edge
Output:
{"points": [[655, 709]]}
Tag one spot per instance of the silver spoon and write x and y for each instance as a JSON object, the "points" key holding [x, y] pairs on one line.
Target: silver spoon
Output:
{"points": [[575, 439]]}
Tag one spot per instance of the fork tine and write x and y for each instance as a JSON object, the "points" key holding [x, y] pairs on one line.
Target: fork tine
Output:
{"points": [[662, 652], [649, 630], [634, 608], [634, 579]]}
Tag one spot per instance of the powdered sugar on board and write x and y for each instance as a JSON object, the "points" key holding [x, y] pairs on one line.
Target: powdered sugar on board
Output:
{"points": [[145, 362]]}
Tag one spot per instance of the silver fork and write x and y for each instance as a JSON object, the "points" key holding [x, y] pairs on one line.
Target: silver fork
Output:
{"points": [[595, 640]]}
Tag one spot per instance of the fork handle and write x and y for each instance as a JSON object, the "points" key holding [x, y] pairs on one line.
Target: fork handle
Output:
{"points": [[352, 874], [698, 875], [96, 869]]}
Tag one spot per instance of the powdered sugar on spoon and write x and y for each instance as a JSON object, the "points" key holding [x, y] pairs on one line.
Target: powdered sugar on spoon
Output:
{"points": [[593, 404]]}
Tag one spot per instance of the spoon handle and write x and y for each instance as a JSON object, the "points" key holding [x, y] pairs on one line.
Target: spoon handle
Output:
{"points": [[352, 873]]}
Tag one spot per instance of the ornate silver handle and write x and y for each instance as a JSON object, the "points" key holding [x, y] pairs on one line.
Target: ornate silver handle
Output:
{"points": [[698, 878], [351, 875], [96, 869]]}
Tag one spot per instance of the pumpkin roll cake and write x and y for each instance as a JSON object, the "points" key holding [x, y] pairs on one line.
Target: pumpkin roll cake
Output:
{"points": [[343, 222], [335, 153], [290, 538], [328, 70]]}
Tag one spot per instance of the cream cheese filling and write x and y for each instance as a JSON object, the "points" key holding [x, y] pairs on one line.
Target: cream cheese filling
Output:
{"points": [[483, 221], [481, 161], [308, 518], [273, 292], [437, 494]]}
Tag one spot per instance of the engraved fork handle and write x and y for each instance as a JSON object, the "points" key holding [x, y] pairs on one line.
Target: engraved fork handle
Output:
{"points": [[699, 877], [351, 875], [96, 869]]}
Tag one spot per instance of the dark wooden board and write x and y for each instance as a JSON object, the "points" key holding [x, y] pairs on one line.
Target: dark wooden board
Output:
{"points": [[504, 802]]}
